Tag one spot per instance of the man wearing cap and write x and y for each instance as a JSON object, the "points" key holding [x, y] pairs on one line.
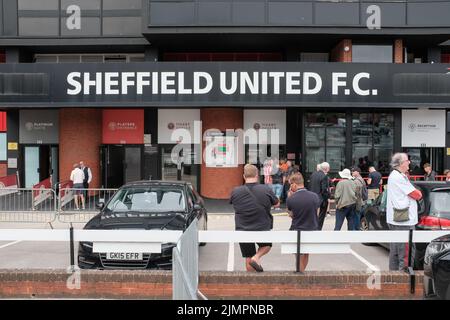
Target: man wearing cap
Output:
{"points": [[345, 197]]}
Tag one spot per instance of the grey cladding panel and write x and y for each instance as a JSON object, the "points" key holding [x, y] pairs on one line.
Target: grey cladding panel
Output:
{"points": [[249, 13], [19, 84], [214, 12], [425, 14], [176, 13], [337, 14], [420, 84], [290, 13], [1, 17], [392, 14]]}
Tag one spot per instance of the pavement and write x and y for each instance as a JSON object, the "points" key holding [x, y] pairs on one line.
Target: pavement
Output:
{"points": [[212, 257]]}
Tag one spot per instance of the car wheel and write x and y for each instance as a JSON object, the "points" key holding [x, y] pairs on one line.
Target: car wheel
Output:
{"points": [[205, 227]]}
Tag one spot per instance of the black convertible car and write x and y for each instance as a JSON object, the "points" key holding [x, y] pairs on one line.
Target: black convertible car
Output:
{"points": [[433, 209], [144, 205]]}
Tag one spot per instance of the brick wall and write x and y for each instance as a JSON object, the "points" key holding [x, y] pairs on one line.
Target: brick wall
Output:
{"points": [[3, 169], [398, 51], [338, 54], [79, 139], [217, 183], [214, 285]]}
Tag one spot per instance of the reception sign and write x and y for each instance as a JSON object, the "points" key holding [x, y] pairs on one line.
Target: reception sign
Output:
{"points": [[423, 128]]}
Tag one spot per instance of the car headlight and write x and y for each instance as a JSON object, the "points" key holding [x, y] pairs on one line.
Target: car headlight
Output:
{"points": [[434, 248]]}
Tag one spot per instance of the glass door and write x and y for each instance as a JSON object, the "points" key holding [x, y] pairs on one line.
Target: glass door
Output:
{"points": [[31, 166], [420, 156], [132, 164]]}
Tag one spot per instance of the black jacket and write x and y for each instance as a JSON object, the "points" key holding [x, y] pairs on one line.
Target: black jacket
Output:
{"points": [[320, 184]]}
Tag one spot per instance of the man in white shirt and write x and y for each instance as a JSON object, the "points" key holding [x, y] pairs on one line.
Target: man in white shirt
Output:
{"points": [[77, 177], [87, 178], [401, 194]]}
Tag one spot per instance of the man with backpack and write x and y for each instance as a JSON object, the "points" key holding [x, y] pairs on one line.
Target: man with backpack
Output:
{"points": [[361, 196]]}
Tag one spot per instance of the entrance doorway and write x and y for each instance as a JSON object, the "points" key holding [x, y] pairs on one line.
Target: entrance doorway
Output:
{"points": [[39, 163], [420, 156], [120, 164], [190, 172]]}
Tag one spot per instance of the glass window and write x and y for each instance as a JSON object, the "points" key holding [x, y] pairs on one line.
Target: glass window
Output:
{"points": [[372, 140], [3, 146], [325, 140], [372, 53]]}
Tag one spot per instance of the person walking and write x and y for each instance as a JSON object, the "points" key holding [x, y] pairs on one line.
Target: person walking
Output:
{"points": [[345, 197], [87, 178], [401, 207], [277, 180], [430, 175], [252, 203], [320, 184], [303, 207], [77, 177], [361, 196], [268, 171], [374, 182]]}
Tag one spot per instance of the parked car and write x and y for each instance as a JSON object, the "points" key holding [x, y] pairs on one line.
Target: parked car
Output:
{"points": [[146, 205], [433, 210], [436, 279]]}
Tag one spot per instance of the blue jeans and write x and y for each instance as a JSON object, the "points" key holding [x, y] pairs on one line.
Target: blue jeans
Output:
{"points": [[277, 189], [357, 219], [345, 213]]}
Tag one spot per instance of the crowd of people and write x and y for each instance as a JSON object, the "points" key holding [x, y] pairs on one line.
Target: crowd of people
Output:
{"points": [[308, 208]]}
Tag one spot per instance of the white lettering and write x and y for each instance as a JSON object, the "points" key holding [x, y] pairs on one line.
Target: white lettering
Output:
{"points": [[337, 83], [223, 83], [166, 82], [290, 82], [306, 83], [74, 83], [73, 22], [356, 86], [251, 84], [181, 88], [126, 82], [109, 82], [140, 82], [276, 81], [197, 78]]}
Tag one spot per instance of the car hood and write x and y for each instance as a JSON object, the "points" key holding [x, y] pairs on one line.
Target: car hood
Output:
{"points": [[170, 221], [445, 238]]}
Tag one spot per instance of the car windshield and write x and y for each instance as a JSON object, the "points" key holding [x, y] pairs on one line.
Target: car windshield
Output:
{"points": [[148, 199], [440, 203]]}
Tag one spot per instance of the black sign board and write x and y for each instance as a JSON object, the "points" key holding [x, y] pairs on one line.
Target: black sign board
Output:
{"points": [[240, 84]]}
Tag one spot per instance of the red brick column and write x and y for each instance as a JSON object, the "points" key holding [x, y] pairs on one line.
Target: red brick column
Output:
{"points": [[398, 51], [3, 169], [339, 54], [217, 183], [80, 136]]}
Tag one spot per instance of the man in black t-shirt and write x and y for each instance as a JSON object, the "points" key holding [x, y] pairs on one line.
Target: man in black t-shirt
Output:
{"points": [[252, 203], [373, 184], [303, 207]]}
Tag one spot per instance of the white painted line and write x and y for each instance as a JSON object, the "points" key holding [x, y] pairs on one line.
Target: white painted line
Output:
{"points": [[230, 266], [10, 244], [367, 263]]}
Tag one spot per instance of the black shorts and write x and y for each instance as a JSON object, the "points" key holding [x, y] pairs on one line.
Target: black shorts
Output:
{"points": [[249, 249]]}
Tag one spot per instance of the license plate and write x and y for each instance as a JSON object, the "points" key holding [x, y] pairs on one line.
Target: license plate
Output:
{"points": [[124, 256]]}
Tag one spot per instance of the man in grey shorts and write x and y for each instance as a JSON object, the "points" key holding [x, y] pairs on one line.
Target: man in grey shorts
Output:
{"points": [[77, 177]]}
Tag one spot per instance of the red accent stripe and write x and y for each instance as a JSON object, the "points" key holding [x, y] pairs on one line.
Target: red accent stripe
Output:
{"points": [[3, 121]]}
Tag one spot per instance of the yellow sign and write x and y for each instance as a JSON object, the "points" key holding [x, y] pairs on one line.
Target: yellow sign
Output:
{"points": [[13, 146], [448, 151]]}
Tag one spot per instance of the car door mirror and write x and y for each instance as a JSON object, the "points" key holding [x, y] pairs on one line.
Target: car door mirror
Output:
{"points": [[100, 205], [197, 207]]}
